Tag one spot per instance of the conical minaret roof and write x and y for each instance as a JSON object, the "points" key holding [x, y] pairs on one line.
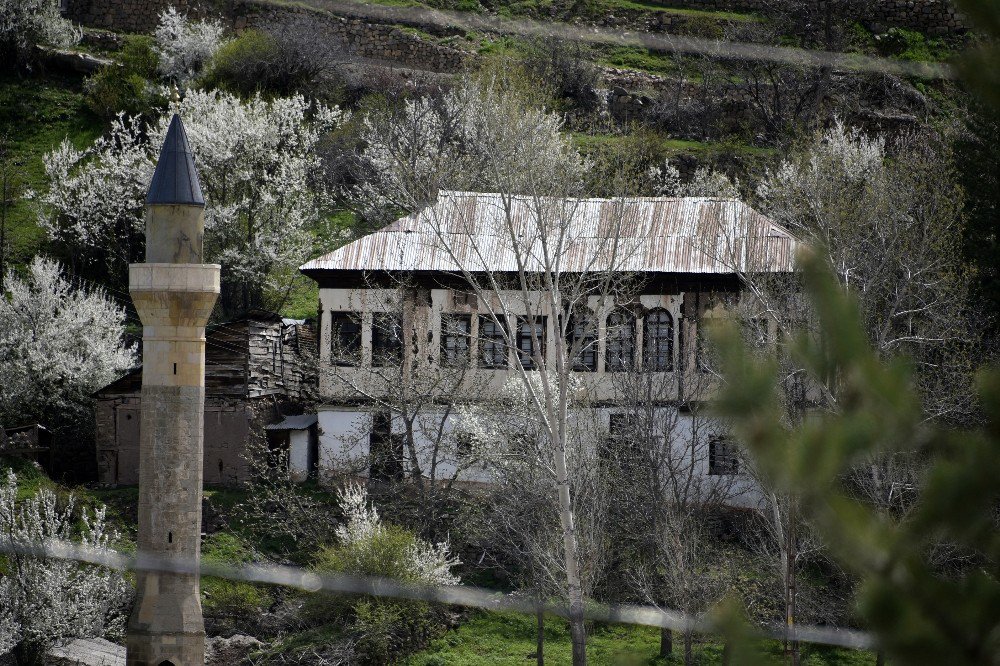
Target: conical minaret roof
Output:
{"points": [[175, 180]]}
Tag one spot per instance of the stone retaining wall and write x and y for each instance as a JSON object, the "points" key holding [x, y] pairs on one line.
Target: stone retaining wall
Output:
{"points": [[361, 39], [128, 15]]}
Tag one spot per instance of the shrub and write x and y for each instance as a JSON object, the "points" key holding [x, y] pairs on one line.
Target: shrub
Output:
{"points": [[381, 628], [568, 68], [291, 56], [125, 87], [43, 600]]}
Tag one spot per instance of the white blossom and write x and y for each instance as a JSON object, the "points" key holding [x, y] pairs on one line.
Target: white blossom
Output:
{"points": [[665, 181], [425, 562], [95, 201], [24, 23], [42, 600], [361, 520], [258, 169], [183, 46], [58, 343]]}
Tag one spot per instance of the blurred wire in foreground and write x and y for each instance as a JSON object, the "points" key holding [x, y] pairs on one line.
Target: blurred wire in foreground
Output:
{"points": [[458, 595]]}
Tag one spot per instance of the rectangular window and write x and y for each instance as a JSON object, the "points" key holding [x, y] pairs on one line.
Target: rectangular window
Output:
{"points": [[620, 337], [345, 335], [455, 333], [703, 351], [385, 450], [582, 338], [530, 340], [722, 457], [492, 343], [387, 339]]}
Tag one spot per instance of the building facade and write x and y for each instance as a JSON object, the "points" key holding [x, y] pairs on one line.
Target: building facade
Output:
{"points": [[439, 311]]}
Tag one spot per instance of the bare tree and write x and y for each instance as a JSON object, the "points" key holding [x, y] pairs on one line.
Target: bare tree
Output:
{"points": [[673, 467], [551, 267], [414, 388]]}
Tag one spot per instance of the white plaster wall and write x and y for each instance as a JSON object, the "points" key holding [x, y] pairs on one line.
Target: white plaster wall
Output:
{"points": [[344, 447], [298, 454]]}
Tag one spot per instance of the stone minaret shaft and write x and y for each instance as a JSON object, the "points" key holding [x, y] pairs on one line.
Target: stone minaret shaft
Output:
{"points": [[174, 293]]}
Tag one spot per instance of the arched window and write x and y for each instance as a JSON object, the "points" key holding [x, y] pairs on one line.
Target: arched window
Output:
{"points": [[659, 342], [620, 336]]}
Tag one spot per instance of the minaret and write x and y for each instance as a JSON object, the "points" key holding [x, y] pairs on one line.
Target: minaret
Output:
{"points": [[174, 293]]}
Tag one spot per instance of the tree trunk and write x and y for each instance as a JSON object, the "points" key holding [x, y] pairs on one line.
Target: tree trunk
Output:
{"points": [[577, 629], [688, 648], [880, 658], [727, 654], [540, 638], [666, 642]]}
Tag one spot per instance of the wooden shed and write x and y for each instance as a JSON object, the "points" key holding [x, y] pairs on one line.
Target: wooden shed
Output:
{"points": [[259, 369]]}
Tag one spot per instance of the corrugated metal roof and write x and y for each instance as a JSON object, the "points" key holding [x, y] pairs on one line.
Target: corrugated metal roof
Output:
{"points": [[641, 234]]}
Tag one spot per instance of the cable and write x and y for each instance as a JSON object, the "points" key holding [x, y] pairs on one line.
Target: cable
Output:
{"points": [[458, 595]]}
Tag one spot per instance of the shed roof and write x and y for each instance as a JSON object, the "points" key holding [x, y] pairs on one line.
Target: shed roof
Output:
{"points": [[655, 234], [301, 422]]}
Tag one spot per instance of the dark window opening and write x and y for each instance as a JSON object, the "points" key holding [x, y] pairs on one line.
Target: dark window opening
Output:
{"points": [[385, 450], [618, 448], [492, 343], [455, 334], [175, 368], [620, 337], [659, 341], [703, 350], [387, 339], [530, 341], [166, 662], [345, 329], [582, 338], [464, 444], [722, 457], [170, 537]]}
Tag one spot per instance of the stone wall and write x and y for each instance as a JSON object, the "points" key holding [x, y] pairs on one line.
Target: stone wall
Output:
{"points": [[129, 15], [360, 39]]}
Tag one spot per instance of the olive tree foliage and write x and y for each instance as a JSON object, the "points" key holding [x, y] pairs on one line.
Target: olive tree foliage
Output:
{"points": [[58, 343], [44, 600], [27, 23], [922, 612], [258, 169], [183, 46]]}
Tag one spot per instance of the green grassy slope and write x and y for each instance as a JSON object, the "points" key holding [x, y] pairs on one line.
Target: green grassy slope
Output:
{"points": [[508, 639], [37, 114]]}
